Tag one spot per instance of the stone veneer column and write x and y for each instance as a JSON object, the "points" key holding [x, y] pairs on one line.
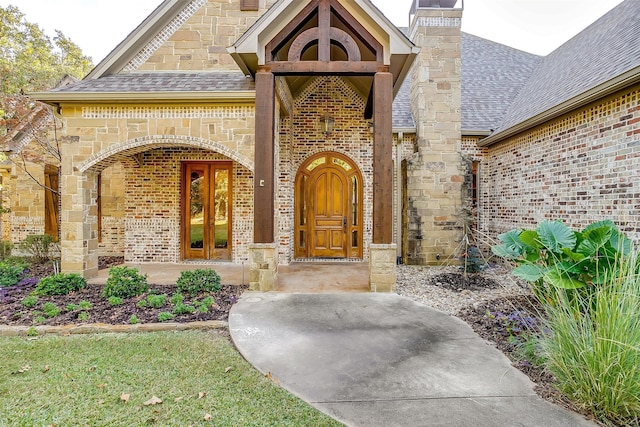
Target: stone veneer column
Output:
{"points": [[382, 267], [263, 267], [435, 174], [79, 221]]}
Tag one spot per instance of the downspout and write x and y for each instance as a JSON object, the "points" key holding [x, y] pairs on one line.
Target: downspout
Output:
{"points": [[398, 201]]}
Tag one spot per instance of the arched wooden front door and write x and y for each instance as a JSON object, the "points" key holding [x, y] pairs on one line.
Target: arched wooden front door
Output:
{"points": [[328, 208]]}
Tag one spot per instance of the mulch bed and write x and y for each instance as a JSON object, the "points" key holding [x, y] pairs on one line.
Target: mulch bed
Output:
{"points": [[13, 312]]}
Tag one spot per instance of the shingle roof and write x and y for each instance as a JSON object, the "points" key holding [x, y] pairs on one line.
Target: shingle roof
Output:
{"points": [[163, 82], [492, 76], [401, 110], [604, 50]]}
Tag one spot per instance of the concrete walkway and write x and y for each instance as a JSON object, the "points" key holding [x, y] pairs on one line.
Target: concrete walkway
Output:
{"points": [[384, 360]]}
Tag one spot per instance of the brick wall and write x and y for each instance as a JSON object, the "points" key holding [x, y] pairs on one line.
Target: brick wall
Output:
{"points": [[582, 167], [152, 205], [301, 137]]}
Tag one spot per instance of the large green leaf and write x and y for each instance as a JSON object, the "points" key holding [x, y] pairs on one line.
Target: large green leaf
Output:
{"points": [[529, 272], [555, 235], [574, 256], [505, 251], [594, 238], [621, 243], [530, 238], [555, 278]]}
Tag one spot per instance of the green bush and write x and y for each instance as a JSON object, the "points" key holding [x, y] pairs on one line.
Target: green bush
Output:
{"points": [[157, 301], [5, 249], [194, 282], [30, 301], [125, 282], [10, 273], [38, 246], [133, 320], [50, 309], [554, 257], [176, 298], [115, 301], [182, 308], [165, 316], [593, 347], [60, 284]]}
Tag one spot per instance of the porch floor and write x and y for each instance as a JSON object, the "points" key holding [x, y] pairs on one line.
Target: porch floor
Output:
{"points": [[297, 277]]}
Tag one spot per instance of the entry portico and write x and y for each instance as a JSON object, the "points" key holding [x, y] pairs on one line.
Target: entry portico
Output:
{"points": [[293, 45]]}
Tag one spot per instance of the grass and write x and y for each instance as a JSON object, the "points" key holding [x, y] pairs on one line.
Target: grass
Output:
{"points": [[79, 381], [593, 347]]}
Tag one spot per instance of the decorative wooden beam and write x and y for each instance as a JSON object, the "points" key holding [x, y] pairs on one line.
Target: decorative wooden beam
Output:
{"points": [[320, 68], [335, 35], [263, 177], [382, 160], [291, 28], [358, 29]]}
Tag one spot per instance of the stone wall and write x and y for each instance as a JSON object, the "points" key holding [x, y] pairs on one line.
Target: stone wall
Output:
{"points": [[580, 168], [112, 196], [197, 39], [435, 174]]}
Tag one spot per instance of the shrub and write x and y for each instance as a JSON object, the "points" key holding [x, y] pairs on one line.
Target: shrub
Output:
{"points": [[60, 284], [5, 249], [176, 298], [124, 282], [181, 308], [134, 319], [143, 303], [115, 301], [39, 319], [593, 348], [30, 301], [83, 316], [157, 301], [553, 257], [10, 273], [165, 316], [50, 309], [38, 246], [194, 282]]}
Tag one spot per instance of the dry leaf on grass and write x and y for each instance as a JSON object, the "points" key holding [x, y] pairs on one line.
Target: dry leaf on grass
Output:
{"points": [[207, 417], [125, 397], [227, 369], [178, 399], [22, 370], [153, 401], [202, 394], [46, 369]]}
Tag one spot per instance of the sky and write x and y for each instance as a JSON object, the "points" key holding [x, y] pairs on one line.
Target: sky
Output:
{"points": [[536, 26]]}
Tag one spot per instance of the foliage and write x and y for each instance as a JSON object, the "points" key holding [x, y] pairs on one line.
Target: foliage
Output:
{"points": [[50, 309], [60, 284], [5, 247], [31, 61], [157, 301], [194, 282], [553, 257], [181, 308], [30, 301], [176, 298], [38, 246], [10, 273], [125, 282], [83, 305], [593, 347], [472, 260], [133, 320], [115, 301], [165, 316], [83, 316]]}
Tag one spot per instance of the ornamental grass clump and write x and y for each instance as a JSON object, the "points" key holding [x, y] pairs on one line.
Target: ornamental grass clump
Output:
{"points": [[593, 344]]}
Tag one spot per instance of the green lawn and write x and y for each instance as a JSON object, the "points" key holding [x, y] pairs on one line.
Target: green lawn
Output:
{"points": [[79, 381]]}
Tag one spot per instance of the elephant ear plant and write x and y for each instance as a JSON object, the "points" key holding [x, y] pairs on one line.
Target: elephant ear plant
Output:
{"points": [[555, 257]]}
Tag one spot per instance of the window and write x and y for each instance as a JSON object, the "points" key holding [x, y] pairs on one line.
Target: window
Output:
{"points": [[249, 5]]}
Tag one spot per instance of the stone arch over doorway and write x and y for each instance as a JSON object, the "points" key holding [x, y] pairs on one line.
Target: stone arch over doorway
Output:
{"points": [[127, 150]]}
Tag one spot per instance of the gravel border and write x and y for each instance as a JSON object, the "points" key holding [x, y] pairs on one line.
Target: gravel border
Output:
{"points": [[417, 283]]}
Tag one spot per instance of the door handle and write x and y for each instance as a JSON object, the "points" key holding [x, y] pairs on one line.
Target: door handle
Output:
{"points": [[344, 223]]}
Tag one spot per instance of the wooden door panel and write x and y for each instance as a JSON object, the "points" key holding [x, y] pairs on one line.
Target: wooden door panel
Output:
{"points": [[329, 214]]}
